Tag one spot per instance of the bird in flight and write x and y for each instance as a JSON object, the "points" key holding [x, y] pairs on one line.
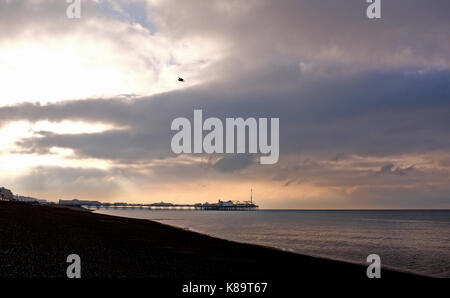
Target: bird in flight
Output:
{"points": [[180, 79]]}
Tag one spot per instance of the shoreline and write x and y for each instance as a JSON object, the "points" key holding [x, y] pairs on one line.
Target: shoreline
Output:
{"points": [[278, 248], [35, 241]]}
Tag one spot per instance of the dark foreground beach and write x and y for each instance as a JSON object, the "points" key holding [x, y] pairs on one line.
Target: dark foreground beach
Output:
{"points": [[36, 240]]}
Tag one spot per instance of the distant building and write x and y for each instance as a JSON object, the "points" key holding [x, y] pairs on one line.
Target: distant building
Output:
{"points": [[29, 199], [225, 204], [161, 204], [76, 202], [120, 204], [7, 195]]}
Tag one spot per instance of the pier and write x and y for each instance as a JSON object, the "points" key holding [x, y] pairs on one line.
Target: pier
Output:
{"points": [[220, 205]]}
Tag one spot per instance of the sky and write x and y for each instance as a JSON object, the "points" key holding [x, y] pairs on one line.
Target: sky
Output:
{"points": [[364, 104]]}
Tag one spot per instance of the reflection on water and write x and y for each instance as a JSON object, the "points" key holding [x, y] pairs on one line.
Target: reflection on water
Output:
{"points": [[417, 241]]}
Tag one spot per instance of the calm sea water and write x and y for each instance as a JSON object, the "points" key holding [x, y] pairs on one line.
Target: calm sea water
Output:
{"points": [[416, 241]]}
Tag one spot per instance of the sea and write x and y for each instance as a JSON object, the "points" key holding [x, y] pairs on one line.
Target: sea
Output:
{"points": [[415, 241]]}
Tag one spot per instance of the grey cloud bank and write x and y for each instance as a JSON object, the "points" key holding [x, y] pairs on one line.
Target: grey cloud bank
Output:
{"points": [[351, 115]]}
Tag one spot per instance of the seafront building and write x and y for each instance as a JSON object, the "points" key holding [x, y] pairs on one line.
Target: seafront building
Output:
{"points": [[6, 194], [29, 199]]}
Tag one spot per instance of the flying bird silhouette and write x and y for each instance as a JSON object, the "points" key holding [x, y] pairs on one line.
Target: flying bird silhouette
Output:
{"points": [[180, 79]]}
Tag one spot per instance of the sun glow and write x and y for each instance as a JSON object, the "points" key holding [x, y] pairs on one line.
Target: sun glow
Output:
{"points": [[54, 72], [14, 162]]}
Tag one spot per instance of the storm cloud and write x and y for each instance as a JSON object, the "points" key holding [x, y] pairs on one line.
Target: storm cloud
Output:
{"points": [[354, 115]]}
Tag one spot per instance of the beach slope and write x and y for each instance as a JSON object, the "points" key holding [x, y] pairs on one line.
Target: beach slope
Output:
{"points": [[35, 241]]}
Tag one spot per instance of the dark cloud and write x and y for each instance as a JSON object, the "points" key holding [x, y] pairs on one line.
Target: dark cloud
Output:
{"points": [[235, 162], [391, 169], [355, 115], [410, 32]]}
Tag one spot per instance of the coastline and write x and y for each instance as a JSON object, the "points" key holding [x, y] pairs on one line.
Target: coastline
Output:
{"points": [[35, 241]]}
